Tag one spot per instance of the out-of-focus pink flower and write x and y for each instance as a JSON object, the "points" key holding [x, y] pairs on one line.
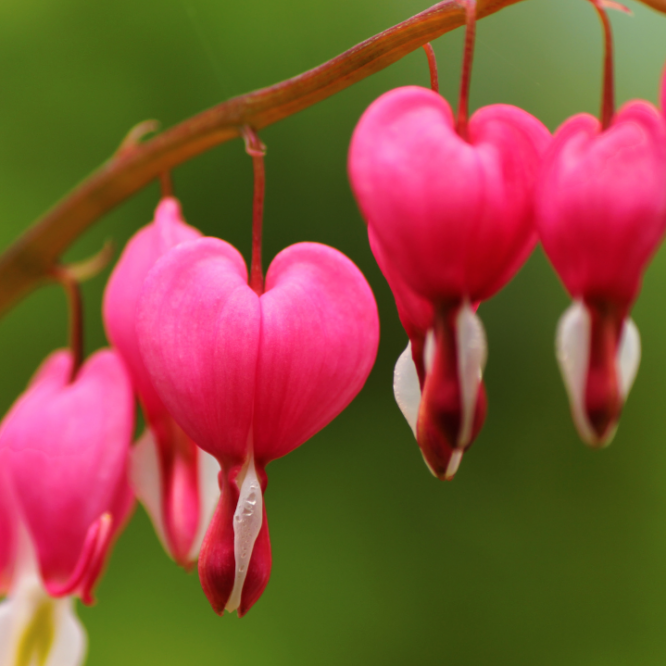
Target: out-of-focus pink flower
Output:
{"points": [[601, 205], [175, 480], [450, 221], [250, 378], [64, 496]]}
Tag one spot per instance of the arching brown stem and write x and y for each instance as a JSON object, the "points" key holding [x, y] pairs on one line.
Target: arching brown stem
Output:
{"points": [[30, 260]]}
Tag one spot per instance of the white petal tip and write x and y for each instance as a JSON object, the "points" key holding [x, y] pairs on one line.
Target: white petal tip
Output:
{"points": [[572, 348], [472, 355], [247, 525], [407, 388], [454, 464]]}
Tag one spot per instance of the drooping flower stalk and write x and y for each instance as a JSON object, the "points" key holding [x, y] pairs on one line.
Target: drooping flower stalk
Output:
{"points": [[75, 302], [608, 90], [432, 66], [466, 76], [256, 150]]}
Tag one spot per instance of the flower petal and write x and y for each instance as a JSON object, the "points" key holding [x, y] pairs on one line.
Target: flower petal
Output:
{"points": [[629, 356], [320, 332], [148, 480], [454, 217], [123, 289], [198, 328], [36, 629], [453, 405], [209, 496], [219, 570], [572, 345], [8, 527], [66, 447], [601, 202], [406, 387]]}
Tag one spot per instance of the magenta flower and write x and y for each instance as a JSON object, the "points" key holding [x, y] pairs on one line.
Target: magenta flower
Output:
{"points": [[601, 205], [174, 479], [64, 496], [450, 220], [251, 377]]}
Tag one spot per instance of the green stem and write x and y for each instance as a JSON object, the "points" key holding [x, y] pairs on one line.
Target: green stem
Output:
{"points": [[29, 261]]}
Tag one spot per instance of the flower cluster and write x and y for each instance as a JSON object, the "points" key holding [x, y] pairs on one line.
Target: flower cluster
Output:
{"points": [[228, 380], [233, 371], [455, 207]]}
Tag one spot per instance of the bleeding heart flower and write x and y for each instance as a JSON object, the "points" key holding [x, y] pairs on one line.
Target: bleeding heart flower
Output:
{"points": [[174, 479], [250, 378], [450, 221], [601, 205], [64, 497]]}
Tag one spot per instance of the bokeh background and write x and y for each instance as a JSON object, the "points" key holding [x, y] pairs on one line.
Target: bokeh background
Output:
{"points": [[541, 551]]}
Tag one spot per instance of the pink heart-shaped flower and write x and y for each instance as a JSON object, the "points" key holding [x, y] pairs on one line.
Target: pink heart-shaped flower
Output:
{"points": [[250, 377]]}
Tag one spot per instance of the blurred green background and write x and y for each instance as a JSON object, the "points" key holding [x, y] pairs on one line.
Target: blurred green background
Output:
{"points": [[541, 551]]}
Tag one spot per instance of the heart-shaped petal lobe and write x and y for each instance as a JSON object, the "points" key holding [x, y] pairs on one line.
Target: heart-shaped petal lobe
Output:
{"points": [[224, 359], [319, 337], [454, 218], [199, 327], [601, 202]]}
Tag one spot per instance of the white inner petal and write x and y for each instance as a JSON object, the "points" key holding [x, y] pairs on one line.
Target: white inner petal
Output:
{"points": [[146, 479], [36, 629], [429, 350], [454, 463], [406, 387], [628, 356], [472, 355], [247, 524], [572, 348], [209, 494]]}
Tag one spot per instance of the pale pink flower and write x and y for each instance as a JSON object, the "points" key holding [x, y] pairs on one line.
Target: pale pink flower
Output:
{"points": [[64, 496], [173, 478]]}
